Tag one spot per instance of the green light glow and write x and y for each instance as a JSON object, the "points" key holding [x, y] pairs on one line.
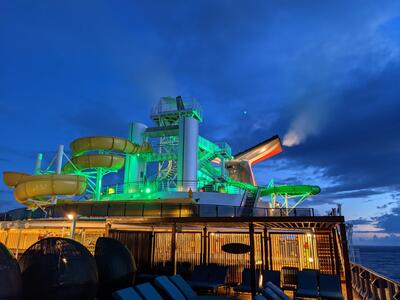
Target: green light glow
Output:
{"points": [[148, 190]]}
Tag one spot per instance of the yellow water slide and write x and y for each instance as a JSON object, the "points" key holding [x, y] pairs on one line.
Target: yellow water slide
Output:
{"points": [[27, 187], [30, 188], [81, 159]]}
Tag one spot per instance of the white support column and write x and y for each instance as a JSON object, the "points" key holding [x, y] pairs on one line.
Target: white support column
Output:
{"points": [[60, 154], [135, 168], [187, 153], [38, 164]]}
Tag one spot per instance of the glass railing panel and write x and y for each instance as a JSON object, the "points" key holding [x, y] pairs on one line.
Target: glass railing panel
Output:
{"points": [[85, 210], [152, 210], [133, 209], [225, 211], [116, 209], [99, 210], [171, 211]]}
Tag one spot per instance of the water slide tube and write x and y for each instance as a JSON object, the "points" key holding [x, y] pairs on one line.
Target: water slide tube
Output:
{"points": [[27, 187], [290, 190], [81, 159]]}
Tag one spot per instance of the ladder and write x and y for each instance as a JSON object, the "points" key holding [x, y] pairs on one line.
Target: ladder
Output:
{"points": [[249, 201]]}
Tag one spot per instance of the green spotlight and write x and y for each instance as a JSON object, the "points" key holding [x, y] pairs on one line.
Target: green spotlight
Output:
{"points": [[148, 190]]}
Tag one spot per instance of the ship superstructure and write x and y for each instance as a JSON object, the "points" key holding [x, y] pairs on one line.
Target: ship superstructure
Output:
{"points": [[169, 160]]}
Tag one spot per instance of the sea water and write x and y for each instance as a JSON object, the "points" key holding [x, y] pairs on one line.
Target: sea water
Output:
{"points": [[384, 260]]}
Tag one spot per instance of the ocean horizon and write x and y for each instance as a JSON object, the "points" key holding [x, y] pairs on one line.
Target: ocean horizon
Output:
{"points": [[383, 260]]}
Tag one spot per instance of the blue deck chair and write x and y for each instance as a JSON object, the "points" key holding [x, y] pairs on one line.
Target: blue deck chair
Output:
{"points": [[126, 294], [329, 287], [307, 284], [187, 290], [271, 276], [218, 276], [183, 286], [208, 277], [169, 289], [271, 291], [269, 294], [245, 285], [199, 277], [148, 292]]}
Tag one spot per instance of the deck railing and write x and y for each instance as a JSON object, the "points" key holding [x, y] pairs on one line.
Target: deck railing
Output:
{"points": [[371, 285], [156, 210]]}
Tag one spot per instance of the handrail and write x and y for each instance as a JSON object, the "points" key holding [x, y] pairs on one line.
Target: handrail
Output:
{"points": [[372, 285], [155, 209]]}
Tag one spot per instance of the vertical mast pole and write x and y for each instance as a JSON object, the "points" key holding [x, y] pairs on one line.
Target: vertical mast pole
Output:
{"points": [[38, 164], [59, 159]]}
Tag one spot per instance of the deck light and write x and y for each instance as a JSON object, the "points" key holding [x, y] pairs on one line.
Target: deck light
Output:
{"points": [[74, 218]]}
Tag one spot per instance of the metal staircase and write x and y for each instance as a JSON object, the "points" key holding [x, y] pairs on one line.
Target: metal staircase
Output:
{"points": [[249, 201]]}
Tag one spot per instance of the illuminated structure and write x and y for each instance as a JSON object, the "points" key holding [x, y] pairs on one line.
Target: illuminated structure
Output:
{"points": [[168, 161], [178, 199]]}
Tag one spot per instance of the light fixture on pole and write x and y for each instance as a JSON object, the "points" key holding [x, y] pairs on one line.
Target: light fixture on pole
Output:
{"points": [[73, 218]]}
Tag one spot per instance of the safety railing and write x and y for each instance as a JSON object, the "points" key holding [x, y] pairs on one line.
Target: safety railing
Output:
{"points": [[371, 285], [155, 209], [166, 185], [224, 147], [169, 105]]}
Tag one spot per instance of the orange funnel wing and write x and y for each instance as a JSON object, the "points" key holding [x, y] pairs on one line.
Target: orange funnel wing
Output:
{"points": [[261, 151]]}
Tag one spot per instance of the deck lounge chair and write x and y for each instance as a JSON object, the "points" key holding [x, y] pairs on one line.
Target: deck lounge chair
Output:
{"points": [[199, 277], [148, 292], [169, 289], [126, 294], [269, 294], [208, 277], [271, 276], [187, 290], [183, 286], [272, 292], [218, 275], [245, 285], [329, 287], [307, 284]]}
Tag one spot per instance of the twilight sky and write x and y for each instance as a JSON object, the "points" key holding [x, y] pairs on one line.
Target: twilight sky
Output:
{"points": [[327, 72]]}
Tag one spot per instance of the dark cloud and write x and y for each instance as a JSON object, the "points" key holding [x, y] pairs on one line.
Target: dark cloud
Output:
{"points": [[384, 206], [390, 222], [359, 221], [390, 240]]}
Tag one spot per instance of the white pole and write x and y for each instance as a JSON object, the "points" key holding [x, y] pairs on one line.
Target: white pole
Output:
{"points": [[60, 154], [38, 164], [73, 226]]}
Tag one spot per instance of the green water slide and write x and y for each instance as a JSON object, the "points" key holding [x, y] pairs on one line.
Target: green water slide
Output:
{"points": [[290, 190]]}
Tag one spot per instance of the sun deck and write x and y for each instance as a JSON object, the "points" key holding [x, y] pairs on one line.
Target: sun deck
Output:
{"points": [[175, 237]]}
